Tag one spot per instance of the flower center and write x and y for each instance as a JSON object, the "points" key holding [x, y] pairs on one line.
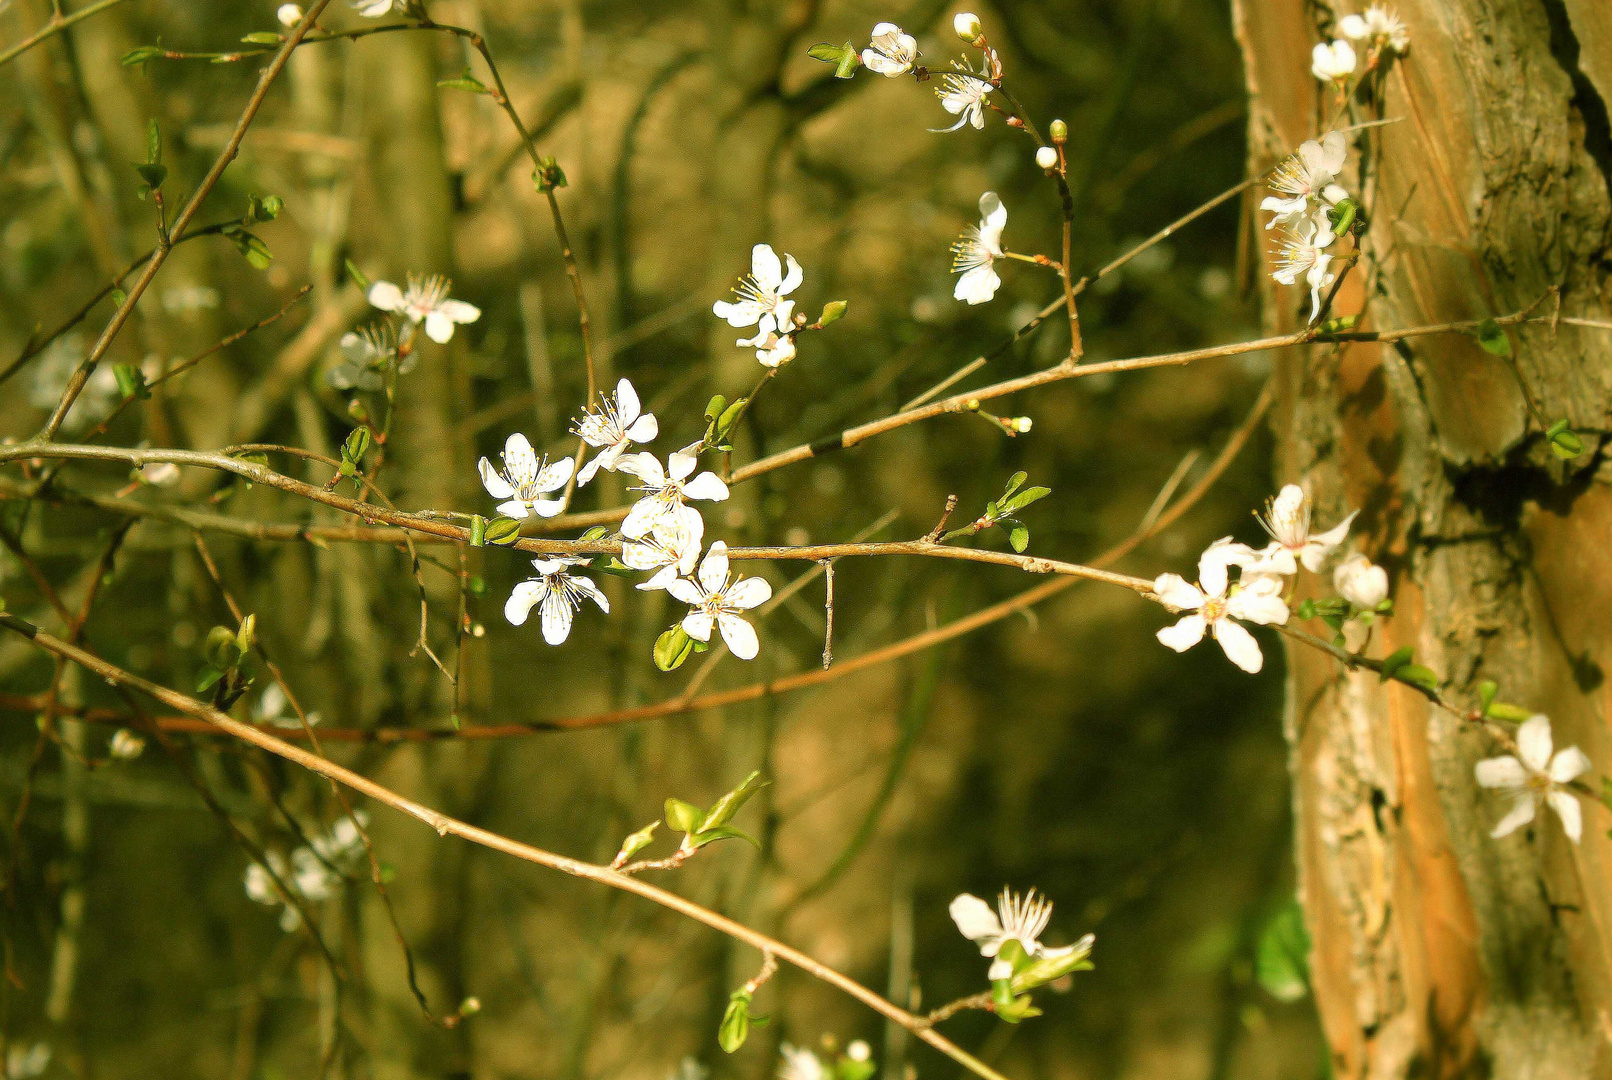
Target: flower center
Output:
{"points": [[1213, 608]]}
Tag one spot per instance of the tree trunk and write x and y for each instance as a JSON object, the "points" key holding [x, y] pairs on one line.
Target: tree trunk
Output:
{"points": [[1439, 951]]}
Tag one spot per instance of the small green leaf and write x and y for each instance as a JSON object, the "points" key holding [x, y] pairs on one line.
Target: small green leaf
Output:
{"points": [[254, 249], [723, 810], [207, 678], [672, 648], [595, 533], [144, 54], [684, 817], [503, 531], [833, 312], [1015, 482], [635, 843], [118, 297], [735, 1027], [478, 531], [1493, 338], [357, 275], [1396, 660], [1024, 498], [1487, 689], [715, 407], [262, 37], [153, 143], [826, 52], [131, 381], [1048, 968], [1342, 216], [1019, 538], [1419, 675], [1566, 444], [548, 175], [729, 417], [850, 60], [711, 836], [153, 175], [1282, 955], [466, 82], [356, 444], [1339, 325], [1500, 710]]}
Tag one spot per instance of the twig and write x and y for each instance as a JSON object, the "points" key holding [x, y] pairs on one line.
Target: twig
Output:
{"points": [[57, 23]]}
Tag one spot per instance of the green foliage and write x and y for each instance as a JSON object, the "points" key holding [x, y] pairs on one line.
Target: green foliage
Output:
{"points": [[466, 82], [672, 648], [1282, 954], [1493, 339], [845, 58]]}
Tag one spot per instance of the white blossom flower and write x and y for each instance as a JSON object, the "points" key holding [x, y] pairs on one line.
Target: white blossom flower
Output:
{"points": [[1216, 602], [1046, 157], [425, 300], [614, 425], [1537, 777], [964, 94], [1360, 582], [975, 253], [772, 349], [366, 353], [126, 745], [761, 295], [1380, 26], [262, 888], [717, 601], [1016, 918], [799, 1064], [664, 510], [1287, 519], [559, 593], [524, 479], [667, 559], [289, 15], [344, 847], [967, 26], [1304, 252], [273, 708], [1308, 179], [374, 9], [27, 1062], [892, 51], [1334, 62]]}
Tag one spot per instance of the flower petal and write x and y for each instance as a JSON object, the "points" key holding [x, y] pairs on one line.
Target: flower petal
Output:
{"points": [[1240, 646], [1504, 772], [496, 485], [1534, 743], [1569, 765], [627, 404], [556, 611], [1259, 607], [515, 508], [1567, 808], [645, 466], [439, 328], [765, 267], [1184, 634], [1521, 813], [1175, 591], [661, 579], [697, 625], [747, 593], [520, 462], [548, 507], [685, 590], [386, 296], [644, 429], [521, 598], [587, 588], [707, 486], [792, 278], [714, 570], [740, 636], [554, 476], [975, 918], [978, 285], [459, 311]]}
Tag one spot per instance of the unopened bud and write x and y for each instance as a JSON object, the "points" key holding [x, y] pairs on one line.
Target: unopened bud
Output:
{"points": [[1060, 132], [1022, 425], [1046, 157], [470, 1006], [289, 14], [126, 745], [968, 27], [859, 1051]]}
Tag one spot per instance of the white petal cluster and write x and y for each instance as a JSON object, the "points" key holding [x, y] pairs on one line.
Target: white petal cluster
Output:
{"points": [[762, 302], [525, 479], [1216, 603], [557, 593], [1288, 521], [663, 512], [316, 871], [975, 253], [1016, 918], [1307, 188], [892, 51], [1360, 582], [1379, 27], [288, 15], [799, 1064], [613, 426], [425, 300], [717, 599], [1536, 776], [1333, 62], [375, 9], [965, 93]]}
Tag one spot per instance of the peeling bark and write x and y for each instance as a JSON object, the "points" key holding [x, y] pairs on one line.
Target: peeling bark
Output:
{"points": [[1438, 951]]}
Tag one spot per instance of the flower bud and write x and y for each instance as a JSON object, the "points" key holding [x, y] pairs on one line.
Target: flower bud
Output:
{"points": [[1359, 582], [289, 14], [126, 745], [859, 1051], [1022, 425], [1046, 157], [1060, 132], [967, 25]]}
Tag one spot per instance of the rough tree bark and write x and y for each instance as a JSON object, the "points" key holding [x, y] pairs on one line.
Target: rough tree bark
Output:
{"points": [[1438, 951]]}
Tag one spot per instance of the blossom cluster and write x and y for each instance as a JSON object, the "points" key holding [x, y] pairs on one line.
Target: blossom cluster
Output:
{"points": [[316, 870]]}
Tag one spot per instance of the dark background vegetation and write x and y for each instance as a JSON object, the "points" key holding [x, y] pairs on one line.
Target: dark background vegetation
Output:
{"points": [[1145, 792]]}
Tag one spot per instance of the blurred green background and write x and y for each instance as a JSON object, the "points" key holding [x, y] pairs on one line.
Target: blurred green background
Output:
{"points": [[1146, 793]]}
